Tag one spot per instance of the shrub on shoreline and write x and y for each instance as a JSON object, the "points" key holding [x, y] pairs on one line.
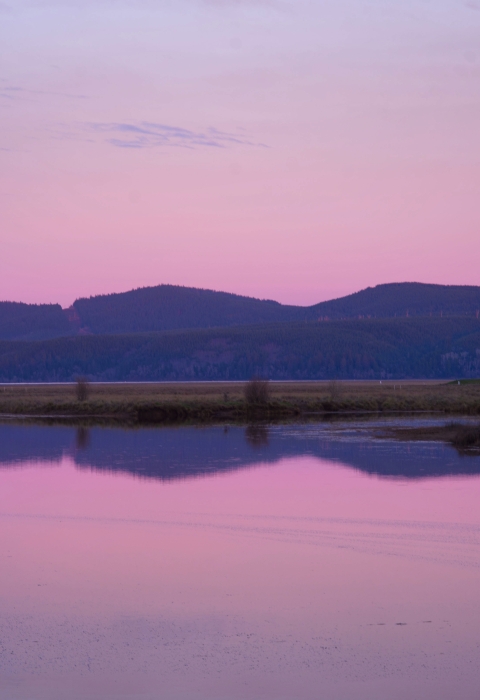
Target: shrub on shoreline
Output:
{"points": [[256, 392]]}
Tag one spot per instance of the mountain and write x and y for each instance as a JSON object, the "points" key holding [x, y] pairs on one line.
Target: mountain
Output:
{"points": [[358, 349], [167, 307], [32, 321], [403, 299]]}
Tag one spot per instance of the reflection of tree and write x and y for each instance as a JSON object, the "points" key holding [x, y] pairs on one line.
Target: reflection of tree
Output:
{"points": [[257, 435], [82, 438]]}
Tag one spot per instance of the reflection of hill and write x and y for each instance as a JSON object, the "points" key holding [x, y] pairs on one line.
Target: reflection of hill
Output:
{"points": [[174, 453]]}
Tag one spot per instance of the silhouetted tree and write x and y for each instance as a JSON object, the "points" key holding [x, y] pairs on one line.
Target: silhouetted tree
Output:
{"points": [[82, 389], [333, 389], [256, 391]]}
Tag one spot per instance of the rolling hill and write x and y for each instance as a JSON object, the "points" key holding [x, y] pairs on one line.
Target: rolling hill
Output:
{"points": [[33, 321], [406, 299], [167, 307], [404, 330]]}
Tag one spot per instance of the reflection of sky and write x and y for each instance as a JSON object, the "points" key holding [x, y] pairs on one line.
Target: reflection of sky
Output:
{"points": [[267, 582], [159, 141]]}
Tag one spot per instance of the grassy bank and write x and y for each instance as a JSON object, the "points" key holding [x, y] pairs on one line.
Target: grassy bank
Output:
{"points": [[159, 403]]}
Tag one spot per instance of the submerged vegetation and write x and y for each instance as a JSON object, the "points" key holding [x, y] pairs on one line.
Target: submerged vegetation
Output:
{"points": [[463, 436]]}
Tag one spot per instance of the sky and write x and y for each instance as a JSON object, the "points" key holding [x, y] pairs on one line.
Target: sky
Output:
{"points": [[296, 151]]}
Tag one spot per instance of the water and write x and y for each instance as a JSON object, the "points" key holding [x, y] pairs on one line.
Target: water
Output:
{"points": [[262, 563]]}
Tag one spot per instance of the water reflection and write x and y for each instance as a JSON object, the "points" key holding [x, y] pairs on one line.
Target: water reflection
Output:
{"points": [[257, 435], [292, 574], [173, 453], [82, 438]]}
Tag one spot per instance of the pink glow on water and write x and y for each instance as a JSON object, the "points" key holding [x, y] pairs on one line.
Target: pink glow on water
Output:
{"points": [[269, 582]]}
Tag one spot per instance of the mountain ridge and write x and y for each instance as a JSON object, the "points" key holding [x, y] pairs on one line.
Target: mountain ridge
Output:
{"points": [[171, 307]]}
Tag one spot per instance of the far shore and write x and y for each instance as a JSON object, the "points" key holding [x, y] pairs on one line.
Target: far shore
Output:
{"points": [[159, 403]]}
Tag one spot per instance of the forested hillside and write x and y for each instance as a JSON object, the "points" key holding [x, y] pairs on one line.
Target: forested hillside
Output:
{"points": [[167, 307], [403, 299], [369, 348], [32, 321]]}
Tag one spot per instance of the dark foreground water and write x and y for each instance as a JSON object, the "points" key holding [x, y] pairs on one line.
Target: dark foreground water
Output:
{"points": [[282, 563]]}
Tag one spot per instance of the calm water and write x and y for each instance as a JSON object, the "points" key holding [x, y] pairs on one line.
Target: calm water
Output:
{"points": [[296, 563]]}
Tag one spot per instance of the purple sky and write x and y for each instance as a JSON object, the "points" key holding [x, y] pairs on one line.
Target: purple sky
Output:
{"points": [[290, 150]]}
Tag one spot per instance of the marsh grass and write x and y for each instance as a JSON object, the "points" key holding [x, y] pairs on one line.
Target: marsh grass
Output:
{"points": [[227, 400]]}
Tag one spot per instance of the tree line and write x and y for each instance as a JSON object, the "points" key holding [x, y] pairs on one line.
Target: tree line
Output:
{"points": [[354, 349]]}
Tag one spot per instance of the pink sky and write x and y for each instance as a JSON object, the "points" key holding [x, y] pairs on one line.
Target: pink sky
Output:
{"points": [[289, 150]]}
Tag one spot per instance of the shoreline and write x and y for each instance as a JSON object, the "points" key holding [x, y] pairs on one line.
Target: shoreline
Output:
{"points": [[154, 404]]}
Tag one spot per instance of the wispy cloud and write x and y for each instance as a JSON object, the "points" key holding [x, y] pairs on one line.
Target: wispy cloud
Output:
{"points": [[150, 135], [244, 3], [13, 92], [150, 4]]}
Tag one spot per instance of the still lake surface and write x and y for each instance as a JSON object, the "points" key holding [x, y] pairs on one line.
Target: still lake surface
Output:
{"points": [[301, 562]]}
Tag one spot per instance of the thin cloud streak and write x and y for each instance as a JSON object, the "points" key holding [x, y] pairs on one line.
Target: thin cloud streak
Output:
{"points": [[13, 92], [151, 135], [148, 4]]}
